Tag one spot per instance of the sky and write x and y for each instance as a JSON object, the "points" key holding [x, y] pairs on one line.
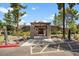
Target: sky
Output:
{"points": [[35, 12]]}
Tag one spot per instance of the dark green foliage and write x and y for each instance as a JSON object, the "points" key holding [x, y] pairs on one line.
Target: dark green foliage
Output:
{"points": [[8, 18], [1, 24], [17, 13], [71, 5], [60, 5]]}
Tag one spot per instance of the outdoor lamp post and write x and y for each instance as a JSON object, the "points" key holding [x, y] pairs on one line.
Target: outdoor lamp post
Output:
{"points": [[69, 18]]}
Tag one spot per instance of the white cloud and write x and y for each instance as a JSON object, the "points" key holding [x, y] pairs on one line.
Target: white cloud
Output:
{"points": [[21, 22], [52, 16], [44, 21], [40, 20], [24, 15], [10, 9], [3, 10], [33, 8], [28, 24]]}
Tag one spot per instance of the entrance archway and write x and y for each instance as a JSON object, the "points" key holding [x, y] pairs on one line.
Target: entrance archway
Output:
{"points": [[40, 29]]}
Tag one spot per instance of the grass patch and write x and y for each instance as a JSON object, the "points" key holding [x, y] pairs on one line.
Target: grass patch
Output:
{"points": [[1, 38]]}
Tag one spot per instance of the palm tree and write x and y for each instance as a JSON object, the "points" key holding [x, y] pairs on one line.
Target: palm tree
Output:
{"points": [[71, 5], [62, 6]]}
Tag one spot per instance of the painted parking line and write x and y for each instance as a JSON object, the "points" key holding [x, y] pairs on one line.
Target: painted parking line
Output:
{"points": [[34, 46], [44, 48], [31, 49], [48, 52], [58, 48], [76, 49], [53, 51], [70, 46]]}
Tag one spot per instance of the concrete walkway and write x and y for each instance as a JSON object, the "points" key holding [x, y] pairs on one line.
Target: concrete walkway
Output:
{"points": [[26, 44], [38, 41]]}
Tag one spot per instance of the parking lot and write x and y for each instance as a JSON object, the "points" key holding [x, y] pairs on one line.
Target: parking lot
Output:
{"points": [[62, 49]]}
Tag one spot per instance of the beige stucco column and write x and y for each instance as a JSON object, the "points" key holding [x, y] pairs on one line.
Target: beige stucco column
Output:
{"points": [[32, 31], [48, 31]]}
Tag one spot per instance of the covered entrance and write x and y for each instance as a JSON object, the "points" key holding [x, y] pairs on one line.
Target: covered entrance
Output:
{"points": [[40, 29]]}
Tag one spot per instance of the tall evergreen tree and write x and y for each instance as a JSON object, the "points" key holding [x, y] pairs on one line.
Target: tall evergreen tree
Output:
{"points": [[17, 13], [8, 18]]}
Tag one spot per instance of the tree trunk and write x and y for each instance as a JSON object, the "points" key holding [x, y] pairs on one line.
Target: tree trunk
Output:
{"points": [[64, 20], [5, 35], [17, 25], [69, 34], [17, 18]]}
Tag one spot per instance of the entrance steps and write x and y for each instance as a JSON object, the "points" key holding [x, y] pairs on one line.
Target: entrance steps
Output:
{"points": [[39, 37]]}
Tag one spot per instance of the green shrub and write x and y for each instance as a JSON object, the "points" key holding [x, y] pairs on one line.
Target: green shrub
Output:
{"points": [[76, 37], [21, 33], [24, 33], [56, 32]]}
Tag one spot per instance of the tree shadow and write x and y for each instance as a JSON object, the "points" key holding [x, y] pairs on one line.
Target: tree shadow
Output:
{"points": [[67, 45]]}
